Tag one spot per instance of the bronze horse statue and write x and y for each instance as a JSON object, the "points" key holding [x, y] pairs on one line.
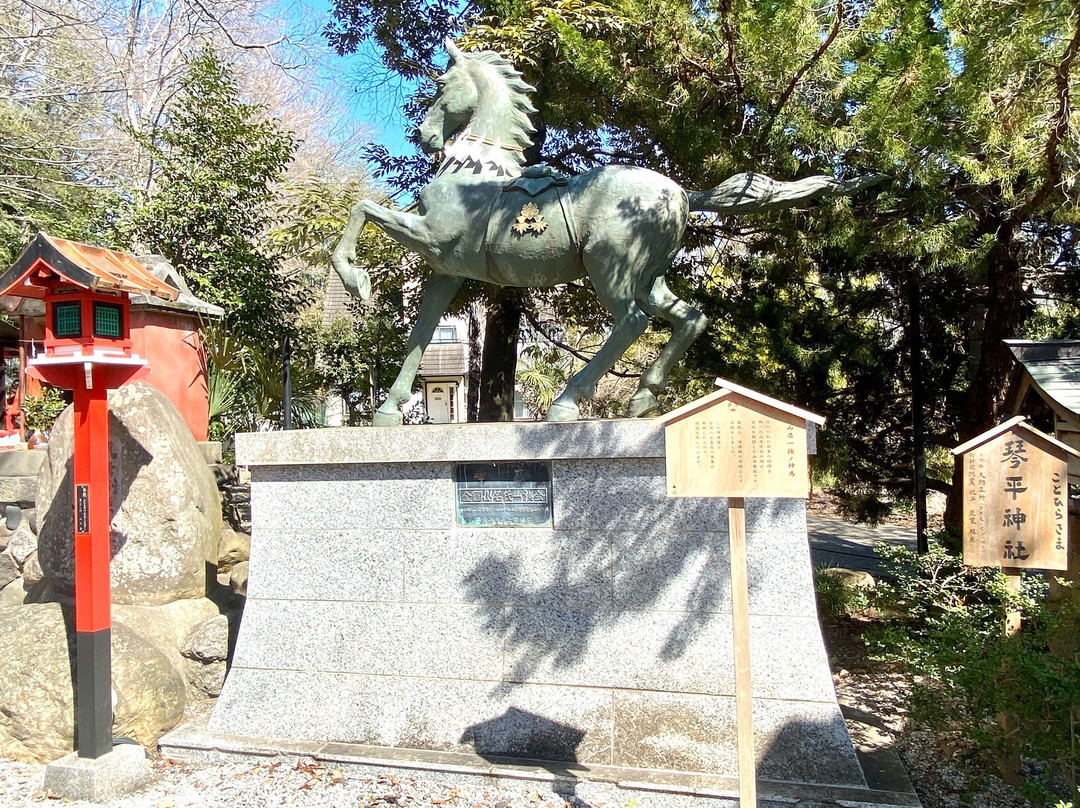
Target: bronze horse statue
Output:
{"points": [[485, 216]]}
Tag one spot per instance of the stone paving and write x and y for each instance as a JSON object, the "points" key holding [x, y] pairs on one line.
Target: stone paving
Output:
{"points": [[836, 543]]}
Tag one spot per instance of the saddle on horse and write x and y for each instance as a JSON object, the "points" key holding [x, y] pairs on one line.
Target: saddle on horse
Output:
{"points": [[534, 208]]}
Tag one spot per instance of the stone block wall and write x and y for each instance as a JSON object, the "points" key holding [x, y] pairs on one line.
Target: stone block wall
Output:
{"points": [[373, 618]]}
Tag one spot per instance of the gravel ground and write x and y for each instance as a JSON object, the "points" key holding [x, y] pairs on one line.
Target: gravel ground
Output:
{"points": [[302, 784]]}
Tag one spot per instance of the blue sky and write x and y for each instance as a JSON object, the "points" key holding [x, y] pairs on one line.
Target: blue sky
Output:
{"points": [[367, 95]]}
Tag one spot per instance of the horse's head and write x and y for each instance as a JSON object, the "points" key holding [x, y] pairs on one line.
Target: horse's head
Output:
{"points": [[454, 104]]}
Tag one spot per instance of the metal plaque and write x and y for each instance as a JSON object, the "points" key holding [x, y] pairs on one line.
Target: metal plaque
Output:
{"points": [[82, 508], [506, 494]]}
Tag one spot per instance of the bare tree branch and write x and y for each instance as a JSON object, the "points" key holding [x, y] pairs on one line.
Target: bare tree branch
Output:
{"points": [[530, 317]]}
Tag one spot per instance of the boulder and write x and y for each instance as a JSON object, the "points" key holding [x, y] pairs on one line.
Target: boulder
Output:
{"points": [[166, 522], [167, 626], [22, 543], [208, 641], [9, 570], [36, 692], [859, 579], [234, 548], [238, 578]]}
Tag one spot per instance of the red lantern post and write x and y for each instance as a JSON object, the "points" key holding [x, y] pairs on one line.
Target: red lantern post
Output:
{"points": [[87, 350]]}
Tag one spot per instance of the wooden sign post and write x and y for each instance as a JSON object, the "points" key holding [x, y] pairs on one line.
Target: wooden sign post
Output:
{"points": [[1016, 498], [1016, 517], [738, 443]]}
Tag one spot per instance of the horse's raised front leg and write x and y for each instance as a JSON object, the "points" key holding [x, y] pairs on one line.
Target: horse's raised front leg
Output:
{"points": [[439, 291], [407, 229], [356, 281]]}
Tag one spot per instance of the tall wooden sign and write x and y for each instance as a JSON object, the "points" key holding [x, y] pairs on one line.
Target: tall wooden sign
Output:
{"points": [[1016, 498], [738, 443]]}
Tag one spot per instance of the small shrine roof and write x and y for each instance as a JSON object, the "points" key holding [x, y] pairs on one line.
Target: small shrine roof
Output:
{"points": [[1018, 422], [1052, 368], [726, 389], [84, 265]]}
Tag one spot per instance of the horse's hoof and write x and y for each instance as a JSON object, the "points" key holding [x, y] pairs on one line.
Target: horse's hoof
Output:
{"points": [[642, 403], [561, 413], [392, 418]]}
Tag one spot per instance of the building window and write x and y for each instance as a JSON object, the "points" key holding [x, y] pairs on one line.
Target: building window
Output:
{"points": [[67, 320], [445, 333], [108, 321]]}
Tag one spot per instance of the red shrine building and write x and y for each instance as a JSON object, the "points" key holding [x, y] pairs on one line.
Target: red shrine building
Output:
{"points": [[71, 298]]}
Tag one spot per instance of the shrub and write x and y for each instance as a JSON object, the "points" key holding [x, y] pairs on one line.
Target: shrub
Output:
{"points": [[43, 410], [837, 595], [947, 626]]}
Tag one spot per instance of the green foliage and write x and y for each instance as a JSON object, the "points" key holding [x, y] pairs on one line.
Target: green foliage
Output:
{"points": [[836, 595], [359, 356], [42, 411], [947, 626], [49, 134], [217, 158], [863, 505], [247, 388]]}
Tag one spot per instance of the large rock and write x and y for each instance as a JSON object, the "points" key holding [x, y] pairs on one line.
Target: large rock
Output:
{"points": [[167, 626], [9, 569], [208, 641], [36, 692], [234, 548], [166, 521]]}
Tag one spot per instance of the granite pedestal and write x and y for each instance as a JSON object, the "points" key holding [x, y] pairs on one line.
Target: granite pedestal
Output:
{"points": [[602, 642], [103, 779]]}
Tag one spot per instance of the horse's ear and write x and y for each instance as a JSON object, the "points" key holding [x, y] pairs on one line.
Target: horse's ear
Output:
{"points": [[453, 51]]}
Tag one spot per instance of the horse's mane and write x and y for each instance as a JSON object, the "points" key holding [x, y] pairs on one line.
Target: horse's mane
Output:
{"points": [[521, 129]]}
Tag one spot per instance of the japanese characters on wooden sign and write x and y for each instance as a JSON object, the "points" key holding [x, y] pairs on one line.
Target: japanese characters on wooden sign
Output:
{"points": [[1016, 498], [737, 442]]}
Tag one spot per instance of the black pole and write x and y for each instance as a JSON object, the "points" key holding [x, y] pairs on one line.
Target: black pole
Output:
{"points": [[286, 403], [922, 545]]}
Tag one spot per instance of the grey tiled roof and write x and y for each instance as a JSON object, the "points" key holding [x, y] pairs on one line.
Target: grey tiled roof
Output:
{"points": [[1054, 367]]}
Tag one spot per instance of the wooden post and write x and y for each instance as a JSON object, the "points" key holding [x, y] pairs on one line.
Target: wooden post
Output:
{"points": [[922, 546], [1013, 617], [737, 443], [740, 624], [1009, 764]]}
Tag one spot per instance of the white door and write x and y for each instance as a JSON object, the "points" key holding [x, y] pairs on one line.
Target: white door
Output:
{"points": [[440, 402]]}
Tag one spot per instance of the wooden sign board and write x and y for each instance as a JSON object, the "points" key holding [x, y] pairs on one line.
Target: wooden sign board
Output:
{"points": [[737, 443], [1016, 498]]}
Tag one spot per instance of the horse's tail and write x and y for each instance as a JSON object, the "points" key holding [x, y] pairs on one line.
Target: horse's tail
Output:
{"points": [[357, 282], [753, 193]]}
